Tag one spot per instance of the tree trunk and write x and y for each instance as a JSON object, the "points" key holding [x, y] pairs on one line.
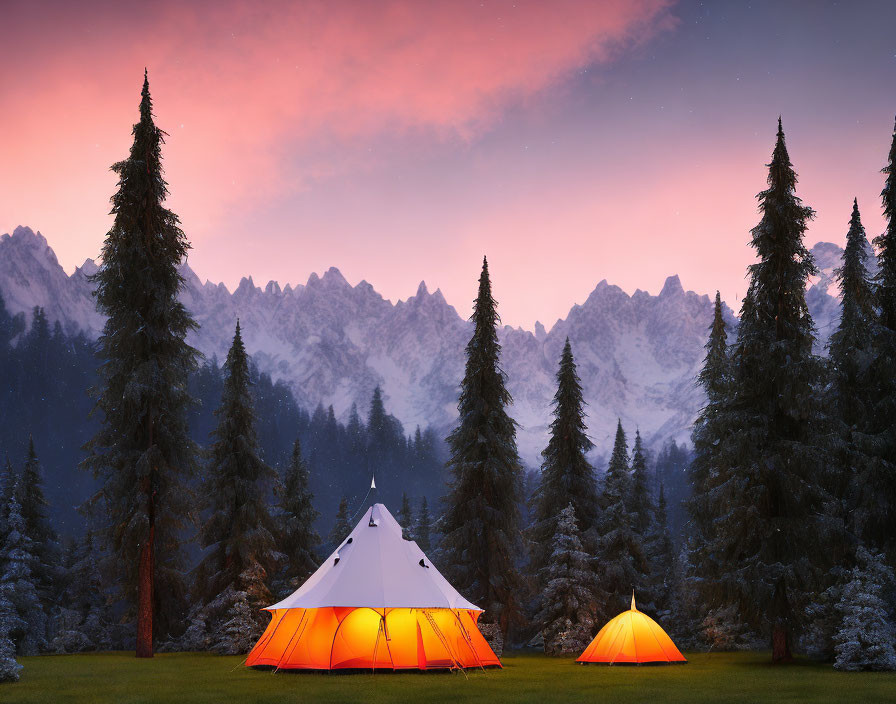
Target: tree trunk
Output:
{"points": [[781, 644], [145, 598], [781, 625]]}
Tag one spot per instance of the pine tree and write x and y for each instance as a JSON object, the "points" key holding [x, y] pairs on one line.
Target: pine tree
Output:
{"points": [[342, 527], [880, 515], [480, 527], [865, 640], [566, 475], [622, 561], [641, 503], [406, 518], [662, 557], [423, 528], [238, 530], [143, 453], [568, 611], [850, 391], [34, 508], [769, 505], [297, 538], [18, 564], [706, 470]]}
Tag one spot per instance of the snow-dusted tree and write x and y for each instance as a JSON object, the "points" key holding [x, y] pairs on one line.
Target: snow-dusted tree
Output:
{"points": [[18, 565], [850, 390], [880, 514], [866, 639], [238, 633], [342, 526], [143, 454], [566, 475], [296, 537], [9, 622], [622, 562], [238, 530], [34, 509], [568, 610], [423, 527], [6, 492], [769, 505], [481, 525], [405, 518]]}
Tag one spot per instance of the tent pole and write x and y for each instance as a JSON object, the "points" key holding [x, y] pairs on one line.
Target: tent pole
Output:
{"points": [[284, 656], [468, 639], [261, 645], [336, 633], [444, 640]]}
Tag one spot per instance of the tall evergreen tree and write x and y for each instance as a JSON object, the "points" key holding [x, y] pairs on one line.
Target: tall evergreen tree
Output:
{"points": [[662, 557], [342, 526], [238, 530], [34, 508], [480, 526], [568, 611], [641, 502], [143, 453], [423, 527], [706, 471], [297, 538], [850, 390], [622, 560], [881, 514], [769, 506], [566, 475]]}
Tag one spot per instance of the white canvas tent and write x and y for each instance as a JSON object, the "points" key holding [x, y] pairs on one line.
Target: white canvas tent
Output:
{"points": [[376, 602]]}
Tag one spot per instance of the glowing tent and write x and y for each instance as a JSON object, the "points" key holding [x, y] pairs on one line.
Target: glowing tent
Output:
{"points": [[376, 602], [634, 638]]}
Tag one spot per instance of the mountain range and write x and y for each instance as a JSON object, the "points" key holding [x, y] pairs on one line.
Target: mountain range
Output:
{"points": [[333, 343]]}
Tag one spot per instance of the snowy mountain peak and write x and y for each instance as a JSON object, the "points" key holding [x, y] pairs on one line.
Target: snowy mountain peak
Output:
{"points": [[333, 278], [333, 343], [672, 287], [88, 268]]}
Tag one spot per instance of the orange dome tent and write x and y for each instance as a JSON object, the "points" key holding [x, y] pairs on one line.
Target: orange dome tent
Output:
{"points": [[376, 602], [633, 638]]}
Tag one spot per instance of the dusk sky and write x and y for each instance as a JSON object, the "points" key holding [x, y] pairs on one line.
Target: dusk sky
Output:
{"points": [[568, 141]]}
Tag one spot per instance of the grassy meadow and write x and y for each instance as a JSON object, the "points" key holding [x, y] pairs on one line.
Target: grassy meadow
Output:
{"points": [[194, 678]]}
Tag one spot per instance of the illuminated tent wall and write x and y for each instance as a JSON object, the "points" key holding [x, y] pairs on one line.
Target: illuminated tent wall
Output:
{"points": [[633, 638], [376, 602]]}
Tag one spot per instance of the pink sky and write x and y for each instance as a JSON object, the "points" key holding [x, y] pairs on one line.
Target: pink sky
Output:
{"points": [[568, 141]]}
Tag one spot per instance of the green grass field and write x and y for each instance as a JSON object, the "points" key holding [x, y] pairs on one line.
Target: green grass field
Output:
{"points": [[188, 677]]}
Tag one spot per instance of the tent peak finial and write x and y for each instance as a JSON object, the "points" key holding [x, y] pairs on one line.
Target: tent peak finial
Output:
{"points": [[634, 608]]}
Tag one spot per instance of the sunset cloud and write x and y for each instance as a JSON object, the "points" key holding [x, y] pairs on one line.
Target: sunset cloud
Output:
{"points": [[262, 98]]}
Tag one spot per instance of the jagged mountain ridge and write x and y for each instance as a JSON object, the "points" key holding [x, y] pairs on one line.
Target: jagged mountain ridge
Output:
{"points": [[333, 343]]}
